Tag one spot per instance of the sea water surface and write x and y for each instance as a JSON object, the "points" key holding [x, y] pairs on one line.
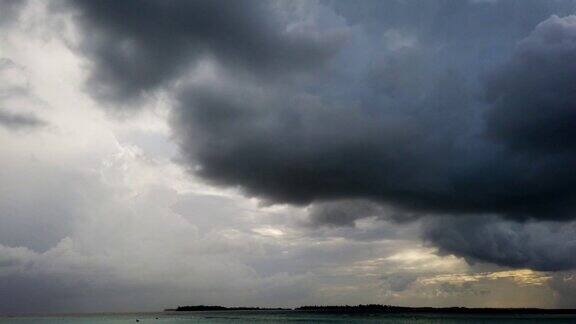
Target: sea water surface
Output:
{"points": [[283, 317]]}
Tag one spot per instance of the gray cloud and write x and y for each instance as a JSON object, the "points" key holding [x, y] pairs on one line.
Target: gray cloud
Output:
{"points": [[342, 213], [10, 10], [19, 121], [544, 246], [139, 46], [533, 92], [565, 286], [467, 288], [398, 282], [378, 117], [15, 95], [456, 110], [53, 257], [432, 153]]}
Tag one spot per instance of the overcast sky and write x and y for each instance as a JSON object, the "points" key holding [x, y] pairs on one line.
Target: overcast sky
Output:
{"points": [[282, 153]]}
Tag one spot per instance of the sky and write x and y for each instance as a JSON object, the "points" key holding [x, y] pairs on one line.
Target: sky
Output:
{"points": [[286, 153]]}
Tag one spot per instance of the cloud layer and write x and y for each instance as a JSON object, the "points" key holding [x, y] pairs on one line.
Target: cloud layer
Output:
{"points": [[539, 246], [320, 144], [140, 46], [420, 114]]}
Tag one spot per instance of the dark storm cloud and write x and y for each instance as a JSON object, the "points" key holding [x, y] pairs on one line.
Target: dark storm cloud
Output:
{"points": [[544, 246], [139, 46], [447, 107], [428, 155], [534, 95], [432, 153], [343, 213]]}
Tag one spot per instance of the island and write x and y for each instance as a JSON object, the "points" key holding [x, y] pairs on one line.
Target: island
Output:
{"points": [[379, 309], [204, 308]]}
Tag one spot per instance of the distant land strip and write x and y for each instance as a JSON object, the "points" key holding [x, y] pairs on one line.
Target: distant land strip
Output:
{"points": [[203, 308], [375, 308]]}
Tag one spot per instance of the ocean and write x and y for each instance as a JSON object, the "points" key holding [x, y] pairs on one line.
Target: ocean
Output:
{"points": [[284, 317]]}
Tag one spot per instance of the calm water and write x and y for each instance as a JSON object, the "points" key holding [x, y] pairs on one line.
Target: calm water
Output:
{"points": [[285, 317]]}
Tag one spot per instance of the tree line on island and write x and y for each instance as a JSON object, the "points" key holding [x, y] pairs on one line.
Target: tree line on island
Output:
{"points": [[377, 308]]}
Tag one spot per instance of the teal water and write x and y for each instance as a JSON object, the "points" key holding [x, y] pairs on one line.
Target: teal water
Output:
{"points": [[284, 317]]}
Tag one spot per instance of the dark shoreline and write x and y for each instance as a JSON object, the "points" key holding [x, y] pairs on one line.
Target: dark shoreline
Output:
{"points": [[383, 309]]}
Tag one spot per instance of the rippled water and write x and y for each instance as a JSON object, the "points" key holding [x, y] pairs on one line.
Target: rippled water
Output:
{"points": [[286, 317]]}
